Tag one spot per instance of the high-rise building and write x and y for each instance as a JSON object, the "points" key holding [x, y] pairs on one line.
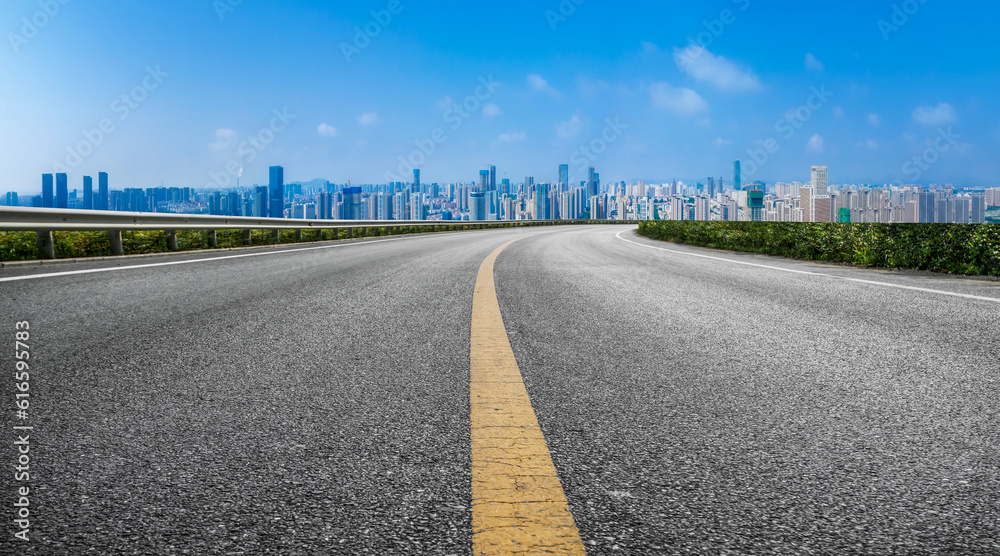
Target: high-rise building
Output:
{"points": [[477, 206], [737, 176], [62, 191], [822, 208], [351, 206], [493, 178], [563, 177], [103, 194], [805, 202], [416, 180], [88, 193], [484, 180], [261, 195], [48, 197], [591, 182], [755, 205], [820, 181], [276, 185], [12, 200], [977, 209], [710, 190]]}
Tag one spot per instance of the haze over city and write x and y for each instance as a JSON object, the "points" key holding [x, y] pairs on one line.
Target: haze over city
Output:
{"points": [[175, 93]]}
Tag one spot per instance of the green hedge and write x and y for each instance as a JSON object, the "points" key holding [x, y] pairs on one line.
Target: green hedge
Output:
{"points": [[954, 248], [22, 246]]}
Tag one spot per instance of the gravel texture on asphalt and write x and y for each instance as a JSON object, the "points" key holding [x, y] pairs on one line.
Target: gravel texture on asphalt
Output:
{"points": [[317, 402], [699, 407], [300, 403]]}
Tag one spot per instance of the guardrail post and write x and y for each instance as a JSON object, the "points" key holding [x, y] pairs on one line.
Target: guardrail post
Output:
{"points": [[171, 240], [350, 233], [319, 235], [247, 237], [298, 236], [46, 245], [276, 236], [115, 239], [213, 239]]}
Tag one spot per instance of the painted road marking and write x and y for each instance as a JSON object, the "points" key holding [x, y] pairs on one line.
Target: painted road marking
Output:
{"points": [[518, 504], [818, 274], [193, 261]]}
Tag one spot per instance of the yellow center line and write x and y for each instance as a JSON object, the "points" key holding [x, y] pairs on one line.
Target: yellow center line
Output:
{"points": [[518, 504]]}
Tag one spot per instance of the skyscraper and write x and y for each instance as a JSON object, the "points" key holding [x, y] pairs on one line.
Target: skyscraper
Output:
{"points": [[737, 176], [484, 180], [591, 183], [416, 180], [260, 197], [62, 191], [493, 178], [88, 193], [48, 199], [277, 188], [819, 180], [710, 190], [102, 192], [755, 204], [563, 177], [477, 206], [351, 206]]}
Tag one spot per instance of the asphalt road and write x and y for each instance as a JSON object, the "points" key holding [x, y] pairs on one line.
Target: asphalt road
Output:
{"points": [[317, 401]]}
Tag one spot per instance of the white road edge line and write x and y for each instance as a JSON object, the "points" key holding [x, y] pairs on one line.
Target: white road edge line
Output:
{"points": [[818, 274], [193, 261]]}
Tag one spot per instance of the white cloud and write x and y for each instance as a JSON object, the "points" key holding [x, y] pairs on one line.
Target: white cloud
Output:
{"points": [[570, 129], [874, 119], [815, 144], [369, 118], [720, 142], [327, 130], [649, 48], [590, 88], [724, 74], [491, 110], [677, 99], [943, 114], [515, 137], [540, 85], [224, 139], [839, 113], [445, 103], [813, 63], [870, 144]]}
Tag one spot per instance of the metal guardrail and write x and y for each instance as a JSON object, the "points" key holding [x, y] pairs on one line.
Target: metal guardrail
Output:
{"points": [[44, 221]]}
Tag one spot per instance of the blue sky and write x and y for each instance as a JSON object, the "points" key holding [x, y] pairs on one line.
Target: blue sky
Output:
{"points": [[205, 75]]}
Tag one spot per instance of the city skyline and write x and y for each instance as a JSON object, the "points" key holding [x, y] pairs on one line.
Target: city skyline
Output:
{"points": [[361, 92]]}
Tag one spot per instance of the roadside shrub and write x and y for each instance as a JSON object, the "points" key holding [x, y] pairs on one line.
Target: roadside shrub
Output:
{"points": [[954, 248]]}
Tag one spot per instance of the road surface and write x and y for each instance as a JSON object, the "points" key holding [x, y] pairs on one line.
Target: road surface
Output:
{"points": [[316, 399]]}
